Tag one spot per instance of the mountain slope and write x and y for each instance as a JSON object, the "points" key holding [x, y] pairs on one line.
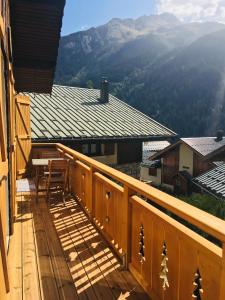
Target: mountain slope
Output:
{"points": [[172, 71]]}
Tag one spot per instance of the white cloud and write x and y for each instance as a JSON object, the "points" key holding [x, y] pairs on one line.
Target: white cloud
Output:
{"points": [[193, 10], [84, 27]]}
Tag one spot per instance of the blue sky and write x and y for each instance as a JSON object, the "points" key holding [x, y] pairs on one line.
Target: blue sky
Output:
{"points": [[83, 14]]}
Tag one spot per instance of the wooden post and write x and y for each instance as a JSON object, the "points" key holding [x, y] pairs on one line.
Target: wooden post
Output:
{"points": [[222, 280], [92, 192], [4, 256], [127, 212]]}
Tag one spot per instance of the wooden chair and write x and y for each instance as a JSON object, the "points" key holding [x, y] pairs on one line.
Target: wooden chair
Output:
{"points": [[57, 177], [49, 154]]}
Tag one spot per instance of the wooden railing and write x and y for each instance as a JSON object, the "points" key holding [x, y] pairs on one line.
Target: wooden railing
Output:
{"points": [[170, 260]]}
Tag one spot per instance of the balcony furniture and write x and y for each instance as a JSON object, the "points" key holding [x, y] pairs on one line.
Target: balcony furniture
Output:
{"points": [[39, 164], [57, 177], [49, 154]]}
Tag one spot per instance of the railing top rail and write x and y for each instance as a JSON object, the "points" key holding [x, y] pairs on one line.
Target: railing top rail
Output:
{"points": [[204, 221]]}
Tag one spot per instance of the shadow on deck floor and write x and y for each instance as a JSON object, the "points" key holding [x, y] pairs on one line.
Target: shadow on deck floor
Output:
{"points": [[63, 256]]}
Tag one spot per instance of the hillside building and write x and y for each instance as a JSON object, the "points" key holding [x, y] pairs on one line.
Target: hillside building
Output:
{"points": [[175, 166]]}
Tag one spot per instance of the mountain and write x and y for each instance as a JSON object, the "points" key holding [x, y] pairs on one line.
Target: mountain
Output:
{"points": [[174, 72]]}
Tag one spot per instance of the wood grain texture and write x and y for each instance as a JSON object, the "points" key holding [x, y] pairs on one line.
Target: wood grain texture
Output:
{"points": [[153, 243], [23, 135]]}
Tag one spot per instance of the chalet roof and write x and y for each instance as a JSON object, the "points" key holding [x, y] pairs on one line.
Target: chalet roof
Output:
{"points": [[155, 145], [201, 145], [150, 148], [76, 113], [213, 181], [204, 145], [36, 27]]}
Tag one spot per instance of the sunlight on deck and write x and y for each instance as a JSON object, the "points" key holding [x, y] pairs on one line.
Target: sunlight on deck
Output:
{"points": [[90, 259]]}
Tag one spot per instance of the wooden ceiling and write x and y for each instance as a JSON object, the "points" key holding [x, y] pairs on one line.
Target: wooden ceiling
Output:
{"points": [[36, 27]]}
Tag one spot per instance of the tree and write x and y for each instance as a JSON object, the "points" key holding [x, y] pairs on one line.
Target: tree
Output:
{"points": [[90, 84]]}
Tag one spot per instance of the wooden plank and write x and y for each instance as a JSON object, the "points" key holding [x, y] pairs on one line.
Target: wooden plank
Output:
{"points": [[63, 277], [31, 287], [3, 294], [15, 255], [66, 233], [97, 267], [109, 265], [3, 254], [23, 134], [2, 133], [47, 276]]}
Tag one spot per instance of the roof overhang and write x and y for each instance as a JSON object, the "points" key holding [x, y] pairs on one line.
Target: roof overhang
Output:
{"points": [[211, 156], [36, 26], [100, 139]]}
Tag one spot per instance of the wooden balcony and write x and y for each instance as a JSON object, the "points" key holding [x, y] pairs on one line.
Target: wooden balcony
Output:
{"points": [[56, 253], [113, 220]]}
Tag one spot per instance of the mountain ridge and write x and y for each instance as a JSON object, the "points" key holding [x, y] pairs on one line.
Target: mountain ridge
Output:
{"points": [[141, 65]]}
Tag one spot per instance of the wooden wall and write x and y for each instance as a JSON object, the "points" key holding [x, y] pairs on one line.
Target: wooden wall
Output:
{"points": [[200, 166], [129, 152], [7, 146], [170, 166]]}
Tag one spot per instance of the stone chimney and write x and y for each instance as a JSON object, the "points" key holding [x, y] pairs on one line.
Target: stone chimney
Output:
{"points": [[104, 91], [219, 136]]}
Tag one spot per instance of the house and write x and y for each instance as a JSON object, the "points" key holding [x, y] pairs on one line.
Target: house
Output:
{"points": [[105, 241], [106, 129], [183, 160], [152, 168]]}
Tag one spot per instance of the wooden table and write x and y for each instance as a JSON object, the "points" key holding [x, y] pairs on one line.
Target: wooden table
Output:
{"points": [[40, 163]]}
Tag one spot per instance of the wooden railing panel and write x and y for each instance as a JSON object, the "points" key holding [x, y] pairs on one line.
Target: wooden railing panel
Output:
{"points": [[194, 256], [109, 210], [186, 252], [143, 265], [81, 184]]}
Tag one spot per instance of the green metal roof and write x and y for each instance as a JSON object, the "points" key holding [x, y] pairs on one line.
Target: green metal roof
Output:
{"points": [[213, 180], [76, 113]]}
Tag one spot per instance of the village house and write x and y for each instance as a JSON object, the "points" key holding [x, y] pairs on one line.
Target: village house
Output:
{"points": [[174, 167], [151, 168], [96, 124], [99, 233]]}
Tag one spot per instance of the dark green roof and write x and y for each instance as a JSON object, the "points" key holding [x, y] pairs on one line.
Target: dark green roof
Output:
{"points": [[76, 113]]}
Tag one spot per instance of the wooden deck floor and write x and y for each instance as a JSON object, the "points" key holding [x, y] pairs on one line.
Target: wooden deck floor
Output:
{"points": [[56, 253]]}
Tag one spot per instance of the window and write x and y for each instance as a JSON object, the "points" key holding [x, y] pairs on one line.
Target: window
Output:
{"points": [[95, 149], [91, 149], [152, 171], [85, 149], [109, 149]]}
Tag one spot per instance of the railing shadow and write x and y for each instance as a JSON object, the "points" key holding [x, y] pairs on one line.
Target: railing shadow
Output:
{"points": [[95, 269]]}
